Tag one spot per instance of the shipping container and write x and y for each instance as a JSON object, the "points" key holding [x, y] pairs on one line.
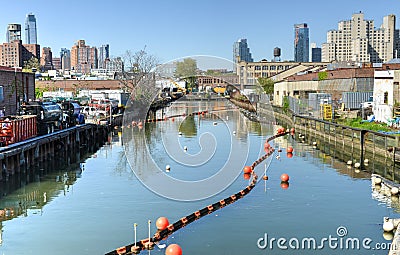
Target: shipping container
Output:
{"points": [[15, 129], [353, 100]]}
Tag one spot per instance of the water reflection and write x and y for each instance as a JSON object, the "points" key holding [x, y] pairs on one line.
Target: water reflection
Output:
{"points": [[188, 127], [32, 195], [103, 199], [201, 145]]}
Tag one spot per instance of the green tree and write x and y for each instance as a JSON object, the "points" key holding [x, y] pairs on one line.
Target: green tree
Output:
{"points": [[322, 76], [31, 65], [187, 70], [267, 84]]}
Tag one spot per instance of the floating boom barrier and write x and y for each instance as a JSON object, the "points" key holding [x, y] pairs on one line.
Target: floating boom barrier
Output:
{"points": [[148, 243]]}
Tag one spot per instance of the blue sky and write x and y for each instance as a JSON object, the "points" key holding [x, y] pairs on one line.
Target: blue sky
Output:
{"points": [[175, 29]]}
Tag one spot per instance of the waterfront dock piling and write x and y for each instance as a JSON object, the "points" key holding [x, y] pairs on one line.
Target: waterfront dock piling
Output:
{"points": [[18, 157]]}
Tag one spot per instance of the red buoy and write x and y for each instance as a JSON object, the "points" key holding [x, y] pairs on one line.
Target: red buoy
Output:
{"points": [[289, 149], [247, 170], [285, 177], [162, 223], [173, 249], [292, 130], [173, 119], [246, 176], [284, 185], [289, 155]]}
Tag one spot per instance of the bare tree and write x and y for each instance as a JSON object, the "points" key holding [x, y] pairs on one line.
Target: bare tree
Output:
{"points": [[140, 64]]}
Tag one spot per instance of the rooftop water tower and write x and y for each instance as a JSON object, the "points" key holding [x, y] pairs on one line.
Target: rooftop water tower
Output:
{"points": [[277, 54]]}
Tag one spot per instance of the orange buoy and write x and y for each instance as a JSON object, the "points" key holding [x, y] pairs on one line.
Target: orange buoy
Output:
{"points": [[247, 170], [162, 223], [284, 185], [173, 249], [267, 147], [246, 176], [265, 177], [289, 155], [285, 177], [289, 149], [121, 250]]}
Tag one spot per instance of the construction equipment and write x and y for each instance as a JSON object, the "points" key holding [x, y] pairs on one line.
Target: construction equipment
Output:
{"points": [[179, 89]]}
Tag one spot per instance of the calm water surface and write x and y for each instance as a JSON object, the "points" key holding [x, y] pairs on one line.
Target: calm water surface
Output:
{"points": [[90, 208]]}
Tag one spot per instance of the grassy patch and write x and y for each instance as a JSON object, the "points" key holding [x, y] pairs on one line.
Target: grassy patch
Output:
{"points": [[356, 123]]}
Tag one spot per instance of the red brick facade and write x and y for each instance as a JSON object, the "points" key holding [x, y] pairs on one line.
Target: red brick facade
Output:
{"points": [[25, 85]]}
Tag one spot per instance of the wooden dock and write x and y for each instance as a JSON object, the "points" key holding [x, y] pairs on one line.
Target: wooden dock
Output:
{"points": [[19, 157]]}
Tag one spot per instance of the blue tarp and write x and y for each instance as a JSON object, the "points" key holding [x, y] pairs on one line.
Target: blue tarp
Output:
{"points": [[370, 120]]}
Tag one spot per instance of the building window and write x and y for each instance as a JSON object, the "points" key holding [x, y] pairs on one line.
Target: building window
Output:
{"points": [[385, 97]]}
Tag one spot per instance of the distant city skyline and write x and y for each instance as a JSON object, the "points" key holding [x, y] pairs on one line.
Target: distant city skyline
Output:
{"points": [[177, 29]]}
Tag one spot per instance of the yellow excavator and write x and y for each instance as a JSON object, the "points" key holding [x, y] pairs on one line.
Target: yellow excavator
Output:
{"points": [[179, 90]]}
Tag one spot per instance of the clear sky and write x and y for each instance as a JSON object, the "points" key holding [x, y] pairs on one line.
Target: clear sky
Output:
{"points": [[175, 29]]}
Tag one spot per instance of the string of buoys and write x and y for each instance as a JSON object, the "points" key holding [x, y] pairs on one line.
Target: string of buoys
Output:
{"points": [[172, 117], [165, 229]]}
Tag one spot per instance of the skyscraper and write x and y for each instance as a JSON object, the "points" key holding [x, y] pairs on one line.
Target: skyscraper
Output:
{"points": [[13, 32], [104, 54], [301, 43], [30, 29], [241, 51]]}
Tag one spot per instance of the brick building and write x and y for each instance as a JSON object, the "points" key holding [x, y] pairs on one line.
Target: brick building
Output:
{"points": [[15, 87], [216, 80], [83, 57], [14, 54], [46, 61]]}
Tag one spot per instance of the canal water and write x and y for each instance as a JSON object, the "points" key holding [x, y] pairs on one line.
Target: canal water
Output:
{"points": [[90, 206]]}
